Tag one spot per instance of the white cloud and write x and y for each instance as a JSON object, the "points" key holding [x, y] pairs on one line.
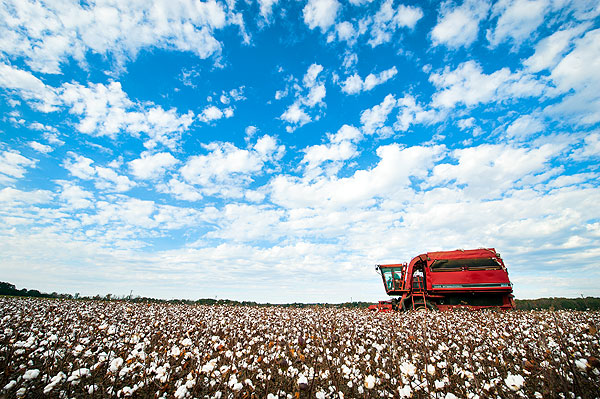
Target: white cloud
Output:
{"points": [[317, 154], [42, 97], [211, 113], [109, 179], [549, 50], [316, 90], [223, 163], [310, 95], [53, 138], [350, 60], [279, 94], [75, 196], [525, 126], [106, 111], [139, 216], [346, 133], [490, 170], [459, 26], [373, 119], [518, 19], [180, 190], [104, 178], [12, 197], [355, 84], [266, 7], [152, 166], [389, 19], [267, 147], [13, 166], [225, 170], [577, 75], [412, 113], [39, 147], [320, 13], [466, 123], [467, 84], [345, 31], [315, 95], [579, 68], [390, 176], [295, 115], [47, 35], [311, 75], [590, 148]]}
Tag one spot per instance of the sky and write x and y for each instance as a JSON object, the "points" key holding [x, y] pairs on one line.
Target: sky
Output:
{"points": [[276, 151]]}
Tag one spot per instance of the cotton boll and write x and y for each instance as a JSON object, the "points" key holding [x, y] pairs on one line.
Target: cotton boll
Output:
{"points": [[514, 382], [115, 365], [31, 374]]}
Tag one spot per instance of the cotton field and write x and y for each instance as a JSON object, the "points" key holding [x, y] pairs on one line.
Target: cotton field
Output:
{"points": [[75, 349]]}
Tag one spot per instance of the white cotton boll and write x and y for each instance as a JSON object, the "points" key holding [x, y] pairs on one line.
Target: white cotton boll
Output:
{"points": [[237, 386], [186, 342], [123, 372], [181, 392], [405, 392], [430, 369], [320, 395], [271, 396], [115, 365], [31, 374], [514, 382], [78, 349], [210, 366], [370, 382], [10, 385], [302, 379], [450, 395], [21, 392], [77, 374], [582, 364], [408, 369], [175, 351]]}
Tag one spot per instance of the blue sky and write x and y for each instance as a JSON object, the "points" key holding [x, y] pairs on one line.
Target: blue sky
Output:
{"points": [[277, 150]]}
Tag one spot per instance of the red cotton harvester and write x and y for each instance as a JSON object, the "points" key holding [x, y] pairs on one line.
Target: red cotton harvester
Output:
{"points": [[474, 279]]}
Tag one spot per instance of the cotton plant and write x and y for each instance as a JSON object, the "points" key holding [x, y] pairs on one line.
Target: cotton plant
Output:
{"points": [[64, 348]]}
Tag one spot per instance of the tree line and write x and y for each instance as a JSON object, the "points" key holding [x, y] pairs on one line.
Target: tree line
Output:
{"points": [[8, 289]]}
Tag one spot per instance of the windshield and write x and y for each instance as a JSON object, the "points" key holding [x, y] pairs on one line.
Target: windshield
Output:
{"points": [[392, 278], [387, 277], [448, 265]]}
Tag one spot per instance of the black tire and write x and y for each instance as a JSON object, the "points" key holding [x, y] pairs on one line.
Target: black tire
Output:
{"points": [[425, 306]]}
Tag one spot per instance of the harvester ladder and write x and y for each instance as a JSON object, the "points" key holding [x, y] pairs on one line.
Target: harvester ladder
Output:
{"points": [[418, 288]]}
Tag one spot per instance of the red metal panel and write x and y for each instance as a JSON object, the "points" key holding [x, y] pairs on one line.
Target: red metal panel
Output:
{"points": [[467, 277]]}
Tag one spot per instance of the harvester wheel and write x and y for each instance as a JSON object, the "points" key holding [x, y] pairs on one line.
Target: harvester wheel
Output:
{"points": [[426, 306]]}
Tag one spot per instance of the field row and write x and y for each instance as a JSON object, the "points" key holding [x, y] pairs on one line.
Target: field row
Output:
{"points": [[70, 348]]}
